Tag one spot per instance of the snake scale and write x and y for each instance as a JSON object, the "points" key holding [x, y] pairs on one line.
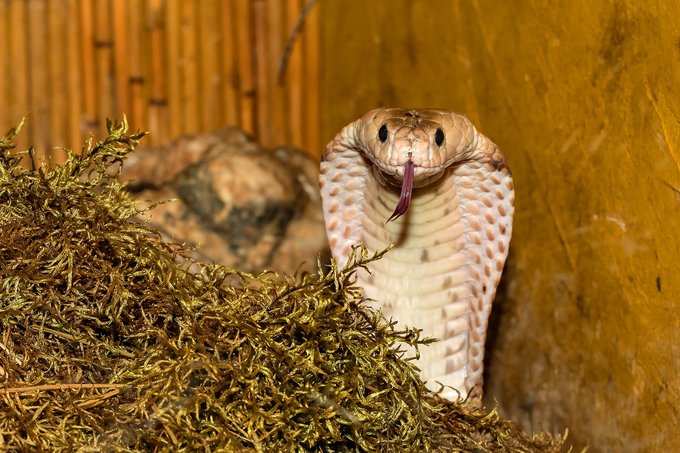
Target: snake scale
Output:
{"points": [[450, 229]]}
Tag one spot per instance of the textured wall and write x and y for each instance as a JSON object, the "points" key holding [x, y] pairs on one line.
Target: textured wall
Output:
{"points": [[584, 98]]}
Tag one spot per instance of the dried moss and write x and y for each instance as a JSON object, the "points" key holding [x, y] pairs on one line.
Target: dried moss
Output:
{"points": [[108, 342]]}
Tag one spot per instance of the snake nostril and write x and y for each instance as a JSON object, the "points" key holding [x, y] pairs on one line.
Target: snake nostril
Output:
{"points": [[382, 133], [439, 137]]}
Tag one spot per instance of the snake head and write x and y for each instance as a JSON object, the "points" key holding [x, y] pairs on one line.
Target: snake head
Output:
{"points": [[412, 148]]}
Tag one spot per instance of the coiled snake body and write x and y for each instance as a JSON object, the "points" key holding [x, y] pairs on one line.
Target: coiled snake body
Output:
{"points": [[452, 225]]}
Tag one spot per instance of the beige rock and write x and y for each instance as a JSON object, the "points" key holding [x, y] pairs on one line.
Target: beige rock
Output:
{"points": [[238, 204]]}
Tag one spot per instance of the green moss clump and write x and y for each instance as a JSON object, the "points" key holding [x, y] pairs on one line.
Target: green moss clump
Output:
{"points": [[109, 342]]}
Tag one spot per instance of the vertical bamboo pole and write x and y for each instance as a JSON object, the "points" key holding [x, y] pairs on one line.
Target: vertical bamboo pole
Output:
{"points": [[277, 100], [158, 117], [137, 82], [18, 76], [294, 78], [262, 93], [88, 78], [230, 85], [311, 77], [103, 45], [5, 100], [173, 67], [73, 69], [210, 84], [18, 80], [5, 121], [244, 26], [39, 78], [120, 55], [190, 97], [56, 15]]}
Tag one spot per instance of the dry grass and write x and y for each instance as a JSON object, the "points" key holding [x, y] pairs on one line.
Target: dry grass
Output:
{"points": [[108, 343]]}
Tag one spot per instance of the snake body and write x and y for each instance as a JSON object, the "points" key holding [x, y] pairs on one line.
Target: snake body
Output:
{"points": [[451, 233]]}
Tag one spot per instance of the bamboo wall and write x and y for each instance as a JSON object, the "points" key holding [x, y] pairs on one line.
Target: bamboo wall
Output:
{"points": [[173, 66]]}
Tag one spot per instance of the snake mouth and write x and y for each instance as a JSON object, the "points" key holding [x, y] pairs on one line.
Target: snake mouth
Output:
{"points": [[407, 177], [406, 191]]}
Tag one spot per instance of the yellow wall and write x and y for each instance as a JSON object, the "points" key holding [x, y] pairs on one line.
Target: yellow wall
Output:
{"points": [[584, 97]]}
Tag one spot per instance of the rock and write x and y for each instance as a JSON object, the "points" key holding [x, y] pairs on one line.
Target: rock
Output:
{"points": [[236, 203]]}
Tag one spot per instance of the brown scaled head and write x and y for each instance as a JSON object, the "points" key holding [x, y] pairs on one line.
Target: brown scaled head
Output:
{"points": [[411, 148]]}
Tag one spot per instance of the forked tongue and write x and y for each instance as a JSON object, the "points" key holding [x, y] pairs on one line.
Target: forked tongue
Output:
{"points": [[406, 191]]}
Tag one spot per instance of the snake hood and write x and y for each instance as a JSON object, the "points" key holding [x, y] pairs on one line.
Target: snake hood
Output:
{"points": [[449, 191], [413, 148]]}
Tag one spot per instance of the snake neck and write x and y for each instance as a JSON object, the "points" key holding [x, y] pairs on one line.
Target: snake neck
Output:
{"points": [[422, 281], [441, 274]]}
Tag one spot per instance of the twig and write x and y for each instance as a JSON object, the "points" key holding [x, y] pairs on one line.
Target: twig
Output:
{"points": [[285, 56], [96, 401], [672, 187], [54, 332], [31, 154], [48, 387]]}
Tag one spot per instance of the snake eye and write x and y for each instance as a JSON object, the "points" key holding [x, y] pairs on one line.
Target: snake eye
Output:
{"points": [[382, 133], [439, 136]]}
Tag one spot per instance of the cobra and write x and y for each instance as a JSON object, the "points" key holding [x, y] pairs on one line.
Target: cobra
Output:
{"points": [[428, 183]]}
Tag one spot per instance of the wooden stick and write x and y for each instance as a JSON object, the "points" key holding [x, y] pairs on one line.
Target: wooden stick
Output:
{"points": [[230, 85], [18, 79], [121, 57], [210, 86], [295, 79], [312, 62], [56, 15], [137, 83], [173, 41], [103, 48], [262, 94], [49, 387], [74, 70], [40, 82], [89, 82], [158, 100], [5, 67], [190, 99], [294, 32], [90, 403], [246, 62], [277, 100]]}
